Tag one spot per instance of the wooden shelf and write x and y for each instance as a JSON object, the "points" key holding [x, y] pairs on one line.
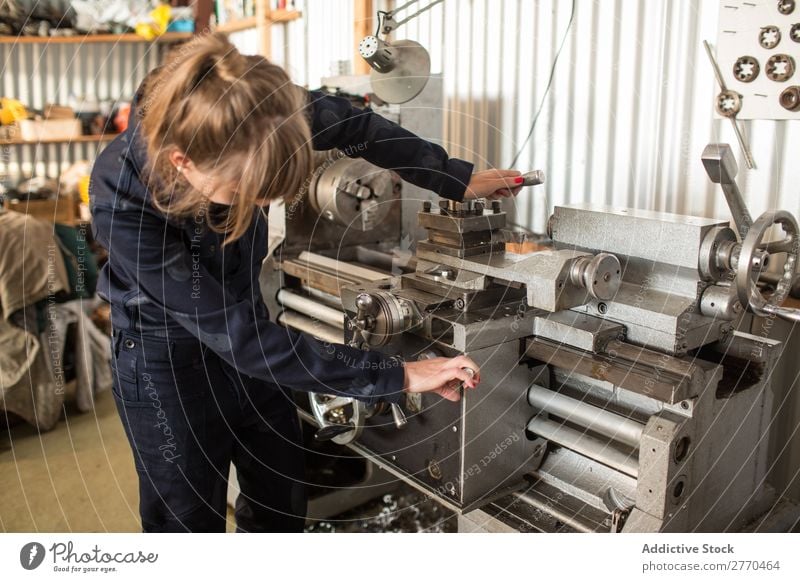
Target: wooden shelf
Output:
{"points": [[93, 38], [80, 139], [283, 15], [274, 17], [237, 25]]}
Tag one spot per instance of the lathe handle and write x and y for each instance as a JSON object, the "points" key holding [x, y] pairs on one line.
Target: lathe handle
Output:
{"points": [[720, 165], [533, 178], [786, 313], [398, 416], [331, 431], [457, 384]]}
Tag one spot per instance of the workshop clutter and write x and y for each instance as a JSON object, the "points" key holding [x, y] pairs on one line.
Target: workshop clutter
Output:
{"points": [[56, 122], [147, 18], [52, 351], [64, 201]]}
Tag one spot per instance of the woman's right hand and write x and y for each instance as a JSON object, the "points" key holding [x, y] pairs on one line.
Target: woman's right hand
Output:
{"points": [[444, 376]]}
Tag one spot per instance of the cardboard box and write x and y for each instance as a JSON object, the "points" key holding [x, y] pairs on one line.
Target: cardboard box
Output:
{"points": [[49, 129], [62, 209]]}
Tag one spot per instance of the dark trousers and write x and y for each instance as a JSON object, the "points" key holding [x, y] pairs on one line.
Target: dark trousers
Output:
{"points": [[187, 415]]}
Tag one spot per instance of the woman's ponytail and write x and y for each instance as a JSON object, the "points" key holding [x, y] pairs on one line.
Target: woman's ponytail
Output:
{"points": [[237, 117]]}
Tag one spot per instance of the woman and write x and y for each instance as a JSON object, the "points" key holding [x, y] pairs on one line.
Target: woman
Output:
{"points": [[202, 378]]}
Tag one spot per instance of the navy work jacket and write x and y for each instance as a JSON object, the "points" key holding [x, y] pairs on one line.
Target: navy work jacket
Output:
{"points": [[179, 282]]}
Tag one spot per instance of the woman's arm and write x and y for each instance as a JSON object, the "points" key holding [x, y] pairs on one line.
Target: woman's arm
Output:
{"points": [[335, 123], [145, 249]]}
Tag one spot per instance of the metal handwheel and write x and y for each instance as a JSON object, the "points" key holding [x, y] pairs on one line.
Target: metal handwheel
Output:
{"points": [[753, 257], [340, 418]]}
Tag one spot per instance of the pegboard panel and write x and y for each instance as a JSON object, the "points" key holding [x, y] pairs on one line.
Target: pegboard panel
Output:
{"points": [[758, 51]]}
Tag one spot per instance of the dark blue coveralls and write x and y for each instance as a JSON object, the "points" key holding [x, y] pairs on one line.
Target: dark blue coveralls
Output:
{"points": [[201, 375]]}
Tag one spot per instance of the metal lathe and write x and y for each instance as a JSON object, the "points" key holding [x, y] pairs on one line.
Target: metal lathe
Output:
{"points": [[620, 390]]}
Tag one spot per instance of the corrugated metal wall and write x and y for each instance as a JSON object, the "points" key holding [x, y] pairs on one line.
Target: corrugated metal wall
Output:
{"points": [[40, 73], [628, 114], [313, 47]]}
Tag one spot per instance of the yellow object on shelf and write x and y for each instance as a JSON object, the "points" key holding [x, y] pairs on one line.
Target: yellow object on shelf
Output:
{"points": [[159, 20], [83, 189], [11, 111]]}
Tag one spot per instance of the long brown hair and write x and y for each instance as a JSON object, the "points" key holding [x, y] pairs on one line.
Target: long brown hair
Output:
{"points": [[236, 117]]}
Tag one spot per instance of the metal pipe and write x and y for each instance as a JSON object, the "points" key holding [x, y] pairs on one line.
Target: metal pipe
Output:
{"points": [[311, 308], [307, 325], [588, 416], [586, 445], [327, 298], [548, 507]]}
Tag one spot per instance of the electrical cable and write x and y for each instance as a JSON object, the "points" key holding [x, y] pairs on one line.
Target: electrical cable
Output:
{"points": [[547, 89]]}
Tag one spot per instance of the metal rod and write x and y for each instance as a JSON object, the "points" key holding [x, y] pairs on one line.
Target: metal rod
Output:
{"points": [[311, 308], [374, 258], [748, 156], [549, 508], [715, 66], [307, 325], [771, 278], [327, 298], [778, 246], [588, 416], [349, 269], [786, 313], [586, 445], [393, 13]]}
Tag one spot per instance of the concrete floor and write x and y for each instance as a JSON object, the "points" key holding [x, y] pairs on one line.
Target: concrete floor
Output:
{"points": [[78, 477]]}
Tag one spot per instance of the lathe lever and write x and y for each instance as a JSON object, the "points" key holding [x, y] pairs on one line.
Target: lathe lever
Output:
{"points": [[720, 165], [331, 431], [458, 384], [398, 416], [533, 178]]}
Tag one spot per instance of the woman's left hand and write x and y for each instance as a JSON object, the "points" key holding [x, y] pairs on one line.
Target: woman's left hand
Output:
{"points": [[491, 184]]}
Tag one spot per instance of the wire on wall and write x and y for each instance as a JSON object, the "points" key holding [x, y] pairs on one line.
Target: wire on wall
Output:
{"points": [[547, 89]]}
